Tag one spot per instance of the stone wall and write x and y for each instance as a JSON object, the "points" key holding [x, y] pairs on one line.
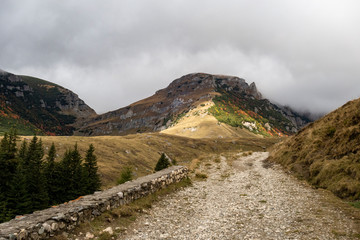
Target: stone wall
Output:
{"points": [[65, 217]]}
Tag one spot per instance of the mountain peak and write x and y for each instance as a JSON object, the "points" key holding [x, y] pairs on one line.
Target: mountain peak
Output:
{"points": [[253, 91], [200, 82], [168, 105]]}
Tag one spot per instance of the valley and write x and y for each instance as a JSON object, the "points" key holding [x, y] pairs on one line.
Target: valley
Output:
{"points": [[141, 151], [241, 150], [166, 120]]}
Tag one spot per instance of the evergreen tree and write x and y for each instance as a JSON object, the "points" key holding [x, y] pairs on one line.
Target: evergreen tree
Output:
{"points": [[19, 201], [91, 177], [8, 161], [72, 173], [8, 164], [53, 177], [34, 176], [162, 163], [64, 177], [78, 179], [27, 183]]}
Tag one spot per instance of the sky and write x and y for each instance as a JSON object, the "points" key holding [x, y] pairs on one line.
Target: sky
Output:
{"points": [[304, 54]]}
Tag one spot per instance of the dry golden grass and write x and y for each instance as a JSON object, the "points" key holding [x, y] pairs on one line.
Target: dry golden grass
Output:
{"points": [[197, 123], [194, 164], [327, 152], [142, 151]]}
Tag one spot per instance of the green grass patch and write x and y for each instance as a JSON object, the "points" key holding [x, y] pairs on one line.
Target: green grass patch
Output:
{"points": [[239, 110], [22, 127], [355, 204], [126, 174]]}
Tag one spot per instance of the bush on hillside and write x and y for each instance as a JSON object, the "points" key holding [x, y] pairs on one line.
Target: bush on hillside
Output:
{"points": [[125, 175], [162, 163]]}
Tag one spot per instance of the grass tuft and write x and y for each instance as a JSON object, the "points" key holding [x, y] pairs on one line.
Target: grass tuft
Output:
{"points": [[355, 204], [201, 175]]}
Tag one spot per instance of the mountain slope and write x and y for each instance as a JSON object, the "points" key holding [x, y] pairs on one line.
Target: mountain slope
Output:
{"points": [[34, 105], [198, 123], [327, 152], [236, 104]]}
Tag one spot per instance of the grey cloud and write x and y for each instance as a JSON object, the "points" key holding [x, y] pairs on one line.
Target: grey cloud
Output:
{"points": [[300, 53]]}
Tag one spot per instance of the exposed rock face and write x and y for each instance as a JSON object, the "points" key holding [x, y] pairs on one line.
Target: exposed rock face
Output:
{"points": [[72, 104], [50, 108], [295, 118], [166, 105]]}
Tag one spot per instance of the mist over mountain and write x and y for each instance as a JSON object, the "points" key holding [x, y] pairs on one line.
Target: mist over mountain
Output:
{"points": [[233, 102]]}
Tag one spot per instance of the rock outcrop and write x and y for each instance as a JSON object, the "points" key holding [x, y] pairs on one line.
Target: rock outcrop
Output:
{"points": [[47, 107]]}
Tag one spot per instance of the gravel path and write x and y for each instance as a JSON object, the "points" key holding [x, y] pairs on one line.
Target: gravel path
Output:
{"points": [[243, 201]]}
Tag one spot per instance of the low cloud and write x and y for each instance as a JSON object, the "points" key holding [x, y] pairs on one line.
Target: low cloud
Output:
{"points": [[112, 53]]}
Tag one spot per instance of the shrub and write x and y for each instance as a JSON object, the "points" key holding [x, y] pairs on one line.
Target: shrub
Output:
{"points": [[330, 131], [125, 175], [201, 175], [162, 163]]}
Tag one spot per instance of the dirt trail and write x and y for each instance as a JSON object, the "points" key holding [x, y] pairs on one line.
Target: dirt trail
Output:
{"points": [[243, 201]]}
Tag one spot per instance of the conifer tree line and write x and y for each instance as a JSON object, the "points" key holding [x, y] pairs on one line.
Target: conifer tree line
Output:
{"points": [[31, 181]]}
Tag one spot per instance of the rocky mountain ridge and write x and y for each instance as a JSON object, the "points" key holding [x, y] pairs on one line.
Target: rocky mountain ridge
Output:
{"points": [[34, 105], [167, 105]]}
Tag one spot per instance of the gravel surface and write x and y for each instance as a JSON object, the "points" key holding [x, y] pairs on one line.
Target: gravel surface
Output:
{"points": [[243, 200]]}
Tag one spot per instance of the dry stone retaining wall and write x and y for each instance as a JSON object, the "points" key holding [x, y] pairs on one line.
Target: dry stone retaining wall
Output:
{"points": [[65, 217]]}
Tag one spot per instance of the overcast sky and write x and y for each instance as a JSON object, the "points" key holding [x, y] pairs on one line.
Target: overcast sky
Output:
{"points": [[305, 54]]}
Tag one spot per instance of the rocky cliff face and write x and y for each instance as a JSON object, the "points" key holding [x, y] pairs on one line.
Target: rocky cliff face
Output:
{"points": [[45, 107], [162, 110]]}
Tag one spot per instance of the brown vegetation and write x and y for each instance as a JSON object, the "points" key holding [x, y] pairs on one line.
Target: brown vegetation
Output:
{"points": [[326, 152], [142, 151]]}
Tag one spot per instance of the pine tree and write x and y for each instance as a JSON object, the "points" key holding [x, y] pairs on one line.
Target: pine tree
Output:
{"points": [[78, 187], [53, 181], [91, 177], [8, 163], [65, 177], [162, 163], [34, 176], [72, 173], [19, 201]]}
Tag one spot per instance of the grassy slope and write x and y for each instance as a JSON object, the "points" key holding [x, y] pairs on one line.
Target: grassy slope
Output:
{"points": [[141, 151], [28, 117], [23, 127], [234, 110], [326, 153], [197, 123]]}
